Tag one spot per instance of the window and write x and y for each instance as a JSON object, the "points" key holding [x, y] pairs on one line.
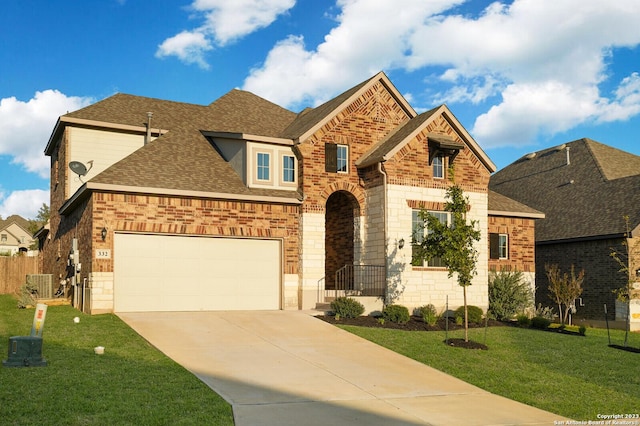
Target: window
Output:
{"points": [[3, 238], [336, 158], [418, 230], [288, 168], [498, 246], [263, 166], [343, 158], [438, 167]]}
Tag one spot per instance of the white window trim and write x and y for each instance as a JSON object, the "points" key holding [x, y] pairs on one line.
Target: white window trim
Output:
{"points": [[425, 263], [347, 159], [506, 237], [281, 180], [433, 164], [254, 166]]}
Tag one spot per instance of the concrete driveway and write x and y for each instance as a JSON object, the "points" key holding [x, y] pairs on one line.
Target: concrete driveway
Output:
{"points": [[288, 368]]}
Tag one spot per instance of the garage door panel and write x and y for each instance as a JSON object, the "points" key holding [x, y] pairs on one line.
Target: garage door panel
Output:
{"points": [[174, 273]]}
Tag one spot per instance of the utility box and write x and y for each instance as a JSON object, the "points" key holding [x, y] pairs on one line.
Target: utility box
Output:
{"points": [[25, 351]]}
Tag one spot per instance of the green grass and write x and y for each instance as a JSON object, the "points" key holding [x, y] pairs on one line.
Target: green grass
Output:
{"points": [[573, 376], [131, 384]]}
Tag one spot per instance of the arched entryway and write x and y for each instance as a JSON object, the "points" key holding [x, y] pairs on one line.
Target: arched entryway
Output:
{"points": [[342, 211]]}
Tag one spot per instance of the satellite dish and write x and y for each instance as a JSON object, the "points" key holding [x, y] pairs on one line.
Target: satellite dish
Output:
{"points": [[79, 168]]}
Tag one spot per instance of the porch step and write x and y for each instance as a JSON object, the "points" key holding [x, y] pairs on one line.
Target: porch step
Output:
{"points": [[324, 307]]}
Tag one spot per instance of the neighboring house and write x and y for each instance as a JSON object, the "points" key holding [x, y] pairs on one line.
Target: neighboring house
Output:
{"points": [[243, 204], [14, 236], [585, 189]]}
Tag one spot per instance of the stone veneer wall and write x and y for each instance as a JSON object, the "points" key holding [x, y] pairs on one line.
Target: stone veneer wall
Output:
{"points": [[417, 286]]}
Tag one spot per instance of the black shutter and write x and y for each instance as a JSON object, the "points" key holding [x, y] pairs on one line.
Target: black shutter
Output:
{"points": [[330, 157], [494, 246]]}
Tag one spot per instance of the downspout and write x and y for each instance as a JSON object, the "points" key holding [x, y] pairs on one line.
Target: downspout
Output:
{"points": [[384, 227]]}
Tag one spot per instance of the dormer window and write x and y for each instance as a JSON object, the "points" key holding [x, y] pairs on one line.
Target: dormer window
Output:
{"points": [[288, 168], [263, 166]]}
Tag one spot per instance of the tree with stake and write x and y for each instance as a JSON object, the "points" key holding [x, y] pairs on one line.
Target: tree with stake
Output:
{"points": [[453, 243], [564, 289]]}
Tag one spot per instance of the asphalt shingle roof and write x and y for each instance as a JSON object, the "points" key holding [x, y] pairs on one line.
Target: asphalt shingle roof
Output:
{"points": [[183, 159], [585, 198], [499, 203]]}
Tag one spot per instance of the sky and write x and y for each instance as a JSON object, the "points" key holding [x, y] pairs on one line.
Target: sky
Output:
{"points": [[520, 75]]}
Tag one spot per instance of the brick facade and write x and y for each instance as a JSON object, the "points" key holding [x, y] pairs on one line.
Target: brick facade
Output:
{"points": [[601, 276], [521, 245], [356, 217]]}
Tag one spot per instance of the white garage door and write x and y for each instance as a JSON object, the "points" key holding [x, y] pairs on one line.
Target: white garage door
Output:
{"points": [[175, 273]]}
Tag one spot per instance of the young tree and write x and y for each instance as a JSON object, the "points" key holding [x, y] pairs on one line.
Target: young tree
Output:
{"points": [[40, 220], [564, 289], [453, 243]]}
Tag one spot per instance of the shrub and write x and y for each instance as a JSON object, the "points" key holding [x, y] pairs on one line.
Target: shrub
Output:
{"points": [[474, 312], [524, 321], [347, 307], [509, 294], [582, 330], [396, 313], [544, 312], [541, 323], [429, 314]]}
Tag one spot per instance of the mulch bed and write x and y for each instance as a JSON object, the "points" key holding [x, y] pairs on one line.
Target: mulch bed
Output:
{"points": [[417, 324], [626, 348]]}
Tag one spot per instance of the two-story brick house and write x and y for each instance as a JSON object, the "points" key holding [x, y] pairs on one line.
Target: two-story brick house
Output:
{"points": [[243, 204]]}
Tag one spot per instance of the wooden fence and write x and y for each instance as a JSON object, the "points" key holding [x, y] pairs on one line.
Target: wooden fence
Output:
{"points": [[14, 270]]}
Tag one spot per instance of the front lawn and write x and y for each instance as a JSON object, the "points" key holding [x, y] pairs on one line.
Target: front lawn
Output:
{"points": [[573, 376], [131, 384]]}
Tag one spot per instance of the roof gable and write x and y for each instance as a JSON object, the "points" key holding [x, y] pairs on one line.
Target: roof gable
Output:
{"points": [[396, 140], [310, 120], [14, 219]]}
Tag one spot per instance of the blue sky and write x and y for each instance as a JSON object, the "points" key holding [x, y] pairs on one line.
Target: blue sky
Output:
{"points": [[520, 75]]}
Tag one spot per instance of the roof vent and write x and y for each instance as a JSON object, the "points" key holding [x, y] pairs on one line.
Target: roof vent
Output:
{"points": [[530, 156], [560, 147]]}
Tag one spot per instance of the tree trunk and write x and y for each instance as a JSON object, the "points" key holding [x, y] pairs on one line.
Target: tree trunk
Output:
{"points": [[466, 316]]}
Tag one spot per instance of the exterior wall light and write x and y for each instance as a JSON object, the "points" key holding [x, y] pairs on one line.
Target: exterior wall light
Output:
{"points": [[103, 233], [401, 243]]}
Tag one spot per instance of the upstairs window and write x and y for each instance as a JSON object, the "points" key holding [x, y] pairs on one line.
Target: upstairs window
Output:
{"points": [[263, 166], [418, 231], [288, 168], [499, 246], [336, 158], [438, 167], [3, 238], [343, 158]]}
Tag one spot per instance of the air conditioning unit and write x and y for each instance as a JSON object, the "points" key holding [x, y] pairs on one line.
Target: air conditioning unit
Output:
{"points": [[44, 284], [25, 351]]}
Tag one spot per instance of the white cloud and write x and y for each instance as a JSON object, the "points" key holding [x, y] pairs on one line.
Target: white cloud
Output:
{"points": [[225, 21], [370, 36], [25, 127], [25, 203], [188, 46], [537, 65]]}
